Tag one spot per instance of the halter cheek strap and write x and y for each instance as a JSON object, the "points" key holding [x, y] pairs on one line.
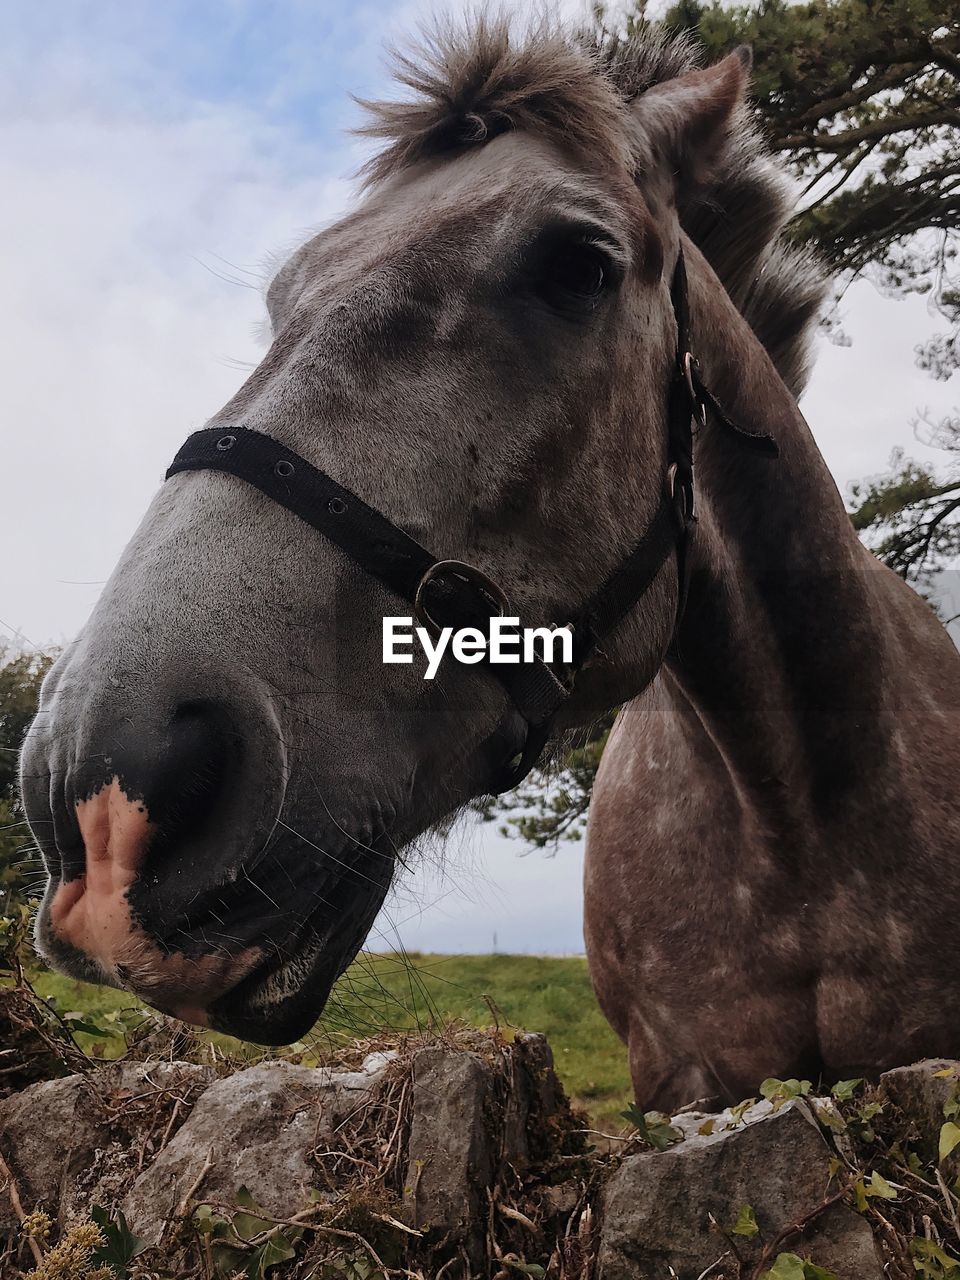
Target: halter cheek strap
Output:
{"points": [[451, 593]]}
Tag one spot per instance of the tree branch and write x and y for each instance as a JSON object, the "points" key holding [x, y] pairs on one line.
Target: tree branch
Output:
{"points": [[883, 128], [894, 75], [945, 58]]}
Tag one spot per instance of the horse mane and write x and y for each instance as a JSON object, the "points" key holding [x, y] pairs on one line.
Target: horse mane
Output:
{"points": [[470, 85]]}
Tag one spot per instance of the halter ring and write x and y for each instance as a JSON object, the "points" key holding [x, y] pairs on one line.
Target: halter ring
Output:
{"points": [[682, 495], [697, 407], [466, 573]]}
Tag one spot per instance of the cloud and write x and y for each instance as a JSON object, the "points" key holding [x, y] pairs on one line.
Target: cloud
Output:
{"points": [[154, 160], [486, 893], [117, 338], [863, 398], [121, 333]]}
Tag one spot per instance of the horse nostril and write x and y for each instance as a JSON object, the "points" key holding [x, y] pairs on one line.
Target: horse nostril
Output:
{"points": [[192, 771]]}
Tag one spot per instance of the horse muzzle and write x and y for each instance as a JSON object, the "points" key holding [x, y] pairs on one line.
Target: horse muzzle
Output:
{"points": [[155, 831]]}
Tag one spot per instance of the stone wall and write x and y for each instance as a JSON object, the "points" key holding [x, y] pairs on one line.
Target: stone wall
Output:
{"points": [[454, 1159]]}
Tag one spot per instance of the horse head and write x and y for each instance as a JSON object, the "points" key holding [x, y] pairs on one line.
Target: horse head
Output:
{"points": [[223, 770]]}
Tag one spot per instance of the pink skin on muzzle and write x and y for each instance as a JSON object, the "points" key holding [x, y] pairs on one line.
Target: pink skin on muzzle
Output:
{"points": [[92, 914]]}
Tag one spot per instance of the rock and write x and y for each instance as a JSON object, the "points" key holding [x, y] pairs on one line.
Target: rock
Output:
{"points": [[534, 1099], [48, 1134], [658, 1205], [920, 1092], [452, 1151], [142, 1106], [54, 1135], [255, 1129], [841, 1240]]}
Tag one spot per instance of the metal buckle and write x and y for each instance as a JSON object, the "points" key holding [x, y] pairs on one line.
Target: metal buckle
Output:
{"points": [[698, 410], [682, 495], [466, 573]]}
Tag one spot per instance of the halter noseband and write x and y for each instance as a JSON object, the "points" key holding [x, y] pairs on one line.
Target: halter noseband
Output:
{"points": [[455, 594]]}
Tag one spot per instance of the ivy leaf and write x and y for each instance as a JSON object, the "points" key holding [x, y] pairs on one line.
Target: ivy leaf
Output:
{"points": [[737, 1112], [249, 1224], [244, 1198], [120, 1245], [746, 1223], [653, 1126], [209, 1223], [787, 1266], [634, 1115], [830, 1119], [812, 1272], [228, 1259], [277, 1248], [860, 1196], [844, 1090], [79, 1023], [880, 1187], [949, 1137], [931, 1261], [779, 1092]]}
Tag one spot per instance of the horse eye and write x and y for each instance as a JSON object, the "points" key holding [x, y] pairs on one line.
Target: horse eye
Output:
{"points": [[573, 274]]}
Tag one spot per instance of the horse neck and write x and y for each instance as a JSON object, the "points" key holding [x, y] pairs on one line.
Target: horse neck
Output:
{"points": [[779, 649]]}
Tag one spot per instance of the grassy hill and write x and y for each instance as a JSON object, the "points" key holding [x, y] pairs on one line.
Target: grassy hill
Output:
{"points": [[414, 991]]}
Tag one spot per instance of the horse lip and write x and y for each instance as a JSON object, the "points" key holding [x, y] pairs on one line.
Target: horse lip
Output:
{"points": [[235, 1012], [283, 994], [62, 955], [245, 1013], [281, 999]]}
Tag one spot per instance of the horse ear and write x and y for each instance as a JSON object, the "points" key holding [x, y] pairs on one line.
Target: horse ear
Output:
{"points": [[683, 124]]}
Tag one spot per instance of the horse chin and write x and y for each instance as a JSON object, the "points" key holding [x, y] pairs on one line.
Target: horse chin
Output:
{"points": [[280, 1001], [256, 1011]]}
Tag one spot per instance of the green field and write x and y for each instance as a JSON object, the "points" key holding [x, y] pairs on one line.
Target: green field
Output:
{"points": [[394, 993]]}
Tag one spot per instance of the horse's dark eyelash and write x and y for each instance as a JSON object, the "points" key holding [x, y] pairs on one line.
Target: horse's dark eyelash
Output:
{"points": [[611, 253], [536, 252]]}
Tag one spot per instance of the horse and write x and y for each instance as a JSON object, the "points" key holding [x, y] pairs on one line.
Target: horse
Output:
{"points": [[546, 366]]}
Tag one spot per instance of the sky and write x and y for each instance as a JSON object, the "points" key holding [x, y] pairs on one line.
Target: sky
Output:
{"points": [[157, 161]]}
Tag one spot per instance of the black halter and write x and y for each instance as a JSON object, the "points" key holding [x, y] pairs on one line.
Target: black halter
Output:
{"points": [[454, 594]]}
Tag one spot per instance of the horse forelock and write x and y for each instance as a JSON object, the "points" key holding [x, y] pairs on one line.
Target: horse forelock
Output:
{"points": [[470, 83]]}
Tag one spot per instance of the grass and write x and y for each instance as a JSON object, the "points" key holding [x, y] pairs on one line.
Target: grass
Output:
{"points": [[399, 993]]}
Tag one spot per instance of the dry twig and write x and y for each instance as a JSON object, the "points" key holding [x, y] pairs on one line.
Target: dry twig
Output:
{"points": [[14, 1193]]}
